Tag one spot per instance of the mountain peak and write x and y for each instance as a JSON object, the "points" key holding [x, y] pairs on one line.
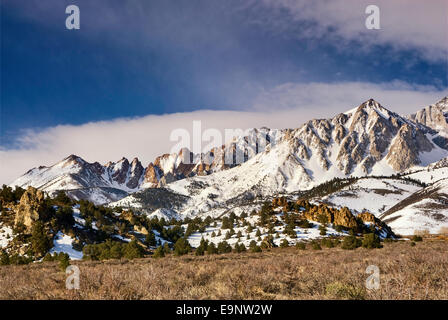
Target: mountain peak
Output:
{"points": [[443, 103], [371, 103], [71, 159]]}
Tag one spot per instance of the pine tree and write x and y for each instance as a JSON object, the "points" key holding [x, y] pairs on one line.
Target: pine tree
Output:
{"points": [[300, 246], [181, 247], [4, 258], [39, 240], [371, 241], [159, 252], [284, 243], [323, 230], [166, 248], [150, 239], [224, 247], [64, 261], [211, 249], [133, 250]]}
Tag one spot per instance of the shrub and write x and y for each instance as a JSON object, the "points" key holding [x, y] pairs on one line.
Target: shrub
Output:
{"points": [[211, 249], [301, 246], [322, 218], [350, 243], [4, 258], [323, 230], [181, 247], [417, 238], [240, 248], [166, 248], [371, 241], [200, 250], [316, 246], [412, 244], [133, 250], [150, 239], [254, 247], [64, 261], [227, 223], [305, 224], [327, 243], [345, 291], [284, 243], [159, 252], [289, 230], [224, 247]]}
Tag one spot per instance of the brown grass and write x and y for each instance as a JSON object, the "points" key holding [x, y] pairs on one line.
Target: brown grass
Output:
{"points": [[418, 272]]}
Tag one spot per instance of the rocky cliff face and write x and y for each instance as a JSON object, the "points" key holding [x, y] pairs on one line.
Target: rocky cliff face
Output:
{"points": [[434, 116], [29, 208], [172, 167], [357, 140]]}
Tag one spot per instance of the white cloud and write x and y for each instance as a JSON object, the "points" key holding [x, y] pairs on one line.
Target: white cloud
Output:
{"points": [[405, 24], [287, 106]]}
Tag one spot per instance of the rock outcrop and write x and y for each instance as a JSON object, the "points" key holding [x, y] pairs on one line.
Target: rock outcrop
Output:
{"points": [[29, 208], [434, 116]]}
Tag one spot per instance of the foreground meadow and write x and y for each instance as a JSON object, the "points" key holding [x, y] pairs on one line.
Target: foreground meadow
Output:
{"points": [[406, 272]]}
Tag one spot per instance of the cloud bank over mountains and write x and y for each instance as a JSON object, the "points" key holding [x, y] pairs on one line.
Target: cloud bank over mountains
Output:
{"points": [[287, 106]]}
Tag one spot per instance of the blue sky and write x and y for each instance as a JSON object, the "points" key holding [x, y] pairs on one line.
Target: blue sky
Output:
{"points": [[138, 58]]}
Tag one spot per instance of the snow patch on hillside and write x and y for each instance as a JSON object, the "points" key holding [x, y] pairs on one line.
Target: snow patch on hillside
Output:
{"points": [[63, 243]]}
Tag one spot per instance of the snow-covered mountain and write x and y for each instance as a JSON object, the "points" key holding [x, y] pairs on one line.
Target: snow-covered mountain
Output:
{"points": [[84, 180], [434, 116], [368, 140]]}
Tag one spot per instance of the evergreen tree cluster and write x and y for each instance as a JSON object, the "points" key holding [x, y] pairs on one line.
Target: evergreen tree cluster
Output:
{"points": [[113, 250]]}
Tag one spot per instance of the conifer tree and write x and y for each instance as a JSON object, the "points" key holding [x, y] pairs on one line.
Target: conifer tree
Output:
{"points": [[39, 240], [181, 247], [159, 252]]}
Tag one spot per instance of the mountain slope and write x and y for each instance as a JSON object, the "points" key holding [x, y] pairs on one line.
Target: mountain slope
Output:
{"points": [[426, 209], [85, 180], [367, 140], [434, 116]]}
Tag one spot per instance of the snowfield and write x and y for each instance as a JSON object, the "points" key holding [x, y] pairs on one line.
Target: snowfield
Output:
{"points": [[5, 236], [372, 195], [63, 243]]}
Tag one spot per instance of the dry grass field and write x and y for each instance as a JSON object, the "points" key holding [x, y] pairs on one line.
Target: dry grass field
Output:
{"points": [[418, 272]]}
